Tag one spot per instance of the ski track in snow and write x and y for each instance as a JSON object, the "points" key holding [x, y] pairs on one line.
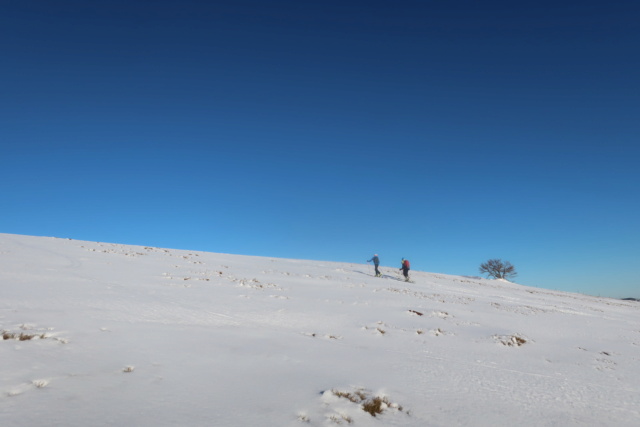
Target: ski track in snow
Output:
{"points": [[151, 336]]}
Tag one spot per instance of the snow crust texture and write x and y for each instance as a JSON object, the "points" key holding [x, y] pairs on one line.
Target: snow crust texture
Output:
{"points": [[98, 334]]}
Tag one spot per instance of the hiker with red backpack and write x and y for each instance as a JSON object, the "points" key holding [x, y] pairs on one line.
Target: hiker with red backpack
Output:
{"points": [[405, 269]]}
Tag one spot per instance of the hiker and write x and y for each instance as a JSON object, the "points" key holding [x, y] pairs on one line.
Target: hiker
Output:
{"points": [[405, 269], [376, 263]]}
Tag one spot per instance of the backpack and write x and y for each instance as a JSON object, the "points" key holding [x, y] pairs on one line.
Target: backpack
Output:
{"points": [[406, 263]]}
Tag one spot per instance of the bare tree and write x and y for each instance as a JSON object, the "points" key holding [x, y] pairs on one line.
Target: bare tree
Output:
{"points": [[498, 269]]}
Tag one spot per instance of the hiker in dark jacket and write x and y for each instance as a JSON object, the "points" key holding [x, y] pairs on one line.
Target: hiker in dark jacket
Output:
{"points": [[405, 269], [376, 263]]}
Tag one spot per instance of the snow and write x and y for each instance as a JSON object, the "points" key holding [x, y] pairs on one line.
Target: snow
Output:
{"points": [[131, 335]]}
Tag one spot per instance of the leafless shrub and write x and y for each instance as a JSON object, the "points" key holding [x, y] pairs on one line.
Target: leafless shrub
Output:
{"points": [[498, 269]]}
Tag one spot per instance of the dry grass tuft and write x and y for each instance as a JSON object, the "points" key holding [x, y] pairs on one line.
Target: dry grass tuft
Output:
{"points": [[376, 405], [518, 341], [338, 419], [511, 340], [355, 397], [373, 405], [6, 335]]}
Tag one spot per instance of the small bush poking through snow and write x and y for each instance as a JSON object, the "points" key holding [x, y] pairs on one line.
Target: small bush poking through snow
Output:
{"points": [[376, 405], [373, 405], [510, 340]]}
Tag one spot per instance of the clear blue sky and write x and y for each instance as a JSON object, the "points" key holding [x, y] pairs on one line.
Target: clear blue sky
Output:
{"points": [[444, 132]]}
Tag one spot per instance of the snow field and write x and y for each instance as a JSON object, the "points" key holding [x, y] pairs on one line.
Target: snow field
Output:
{"points": [[129, 335]]}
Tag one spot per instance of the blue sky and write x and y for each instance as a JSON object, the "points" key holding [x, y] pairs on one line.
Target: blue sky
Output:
{"points": [[448, 133]]}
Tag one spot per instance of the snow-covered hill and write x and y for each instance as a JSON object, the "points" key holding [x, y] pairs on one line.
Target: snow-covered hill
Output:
{"points": [[100, 334]]}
